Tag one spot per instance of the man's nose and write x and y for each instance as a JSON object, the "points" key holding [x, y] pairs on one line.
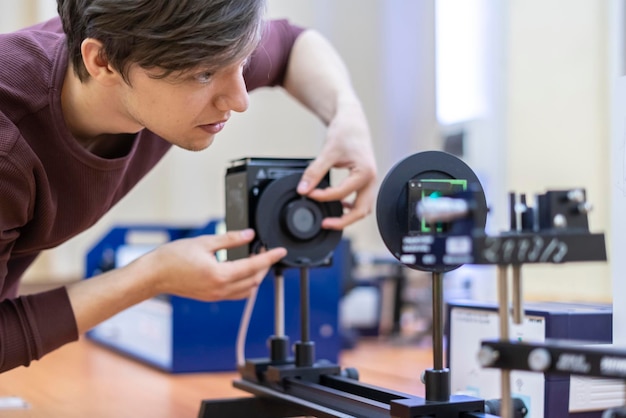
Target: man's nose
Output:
{"points": [[234, 95]]}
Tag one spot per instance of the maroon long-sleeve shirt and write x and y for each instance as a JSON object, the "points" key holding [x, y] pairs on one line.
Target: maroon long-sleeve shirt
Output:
{"points": [[51, 188]]}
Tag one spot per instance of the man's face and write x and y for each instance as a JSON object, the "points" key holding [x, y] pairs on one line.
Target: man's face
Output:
{"points": [[188, 109]]}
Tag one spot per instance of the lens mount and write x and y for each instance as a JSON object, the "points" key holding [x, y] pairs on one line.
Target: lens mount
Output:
{"points": [[286, 219], [431, 170]]}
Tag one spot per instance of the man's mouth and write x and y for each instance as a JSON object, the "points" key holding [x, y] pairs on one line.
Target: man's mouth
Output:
{"points": [[214, 128]]}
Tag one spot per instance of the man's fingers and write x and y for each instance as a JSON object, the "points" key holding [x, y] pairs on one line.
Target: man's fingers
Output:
{"points": [[230, 239], [312, 176], [357, 180], [247, 267], [361, 207], [243, 288], [339, 192], [248, 273]]}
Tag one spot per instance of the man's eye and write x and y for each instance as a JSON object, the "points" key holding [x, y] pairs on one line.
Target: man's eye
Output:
{"points": [[204, 77]]}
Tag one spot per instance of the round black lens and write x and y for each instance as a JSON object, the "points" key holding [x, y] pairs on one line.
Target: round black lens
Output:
{"points": [[303, 218]]}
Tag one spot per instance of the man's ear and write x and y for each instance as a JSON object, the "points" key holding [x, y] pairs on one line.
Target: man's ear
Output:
{"points": [[96, 63]]}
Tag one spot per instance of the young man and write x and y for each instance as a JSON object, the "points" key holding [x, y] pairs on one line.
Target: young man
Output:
{"points": [[90, 102]]}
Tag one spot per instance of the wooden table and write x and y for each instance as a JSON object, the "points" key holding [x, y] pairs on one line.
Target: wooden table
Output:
{"points": [[83, 379]]}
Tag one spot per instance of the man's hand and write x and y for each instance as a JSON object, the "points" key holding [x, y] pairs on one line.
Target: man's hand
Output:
{"points": [[347, 146], [189, 268], [185, 267], [318, 78]]}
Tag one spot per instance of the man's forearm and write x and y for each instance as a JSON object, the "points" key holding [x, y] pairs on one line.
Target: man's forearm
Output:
{"points": [[318, 78], [98, 298], [185, 267]]}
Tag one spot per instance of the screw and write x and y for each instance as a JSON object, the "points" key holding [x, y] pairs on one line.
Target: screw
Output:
{"points": [[539, 359], [559, 221], [487, 356], [576, 195], [585, 207]]}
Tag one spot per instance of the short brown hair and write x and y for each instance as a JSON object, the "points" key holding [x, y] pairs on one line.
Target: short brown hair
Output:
{"points": [[170, 35]]}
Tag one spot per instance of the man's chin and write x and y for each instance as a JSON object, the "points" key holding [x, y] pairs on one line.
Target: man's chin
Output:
{"points": [[196, 145]]}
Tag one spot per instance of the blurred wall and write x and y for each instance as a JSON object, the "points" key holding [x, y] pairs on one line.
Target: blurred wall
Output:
{"points": [[16, 14], [557, 126]]}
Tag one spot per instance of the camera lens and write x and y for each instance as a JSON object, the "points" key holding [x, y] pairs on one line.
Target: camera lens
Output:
{"points": [[286, 219], [303, 219]]}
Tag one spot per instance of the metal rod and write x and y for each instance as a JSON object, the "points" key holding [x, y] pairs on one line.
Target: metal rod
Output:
{"points": [[514, 223], [438, 314], [518, 295], [503, 301], [279, 303], [507, 404], [305, 309], [503, 311]]}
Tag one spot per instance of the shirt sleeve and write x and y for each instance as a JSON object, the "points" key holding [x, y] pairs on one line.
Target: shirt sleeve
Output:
{"points": [[268, 63], [34, 325], [30, 326], [51, 25]]}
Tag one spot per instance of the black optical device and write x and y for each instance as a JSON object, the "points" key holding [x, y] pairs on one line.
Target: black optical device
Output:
{"points": [[261, 194], [430, 174]]}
